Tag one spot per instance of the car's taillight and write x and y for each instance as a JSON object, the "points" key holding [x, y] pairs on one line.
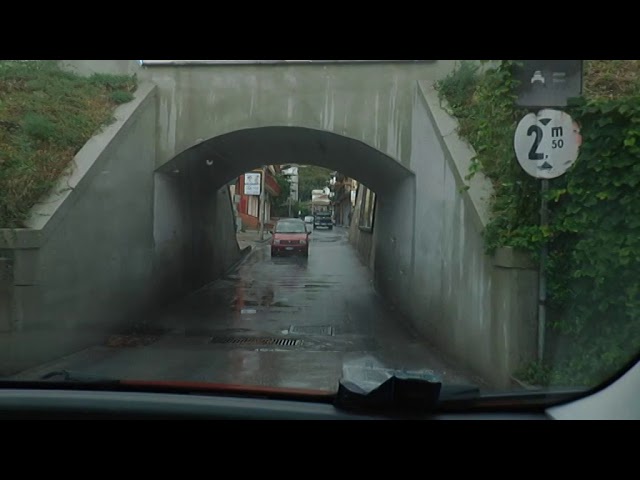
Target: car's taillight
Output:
{"points": [[303, 242]]}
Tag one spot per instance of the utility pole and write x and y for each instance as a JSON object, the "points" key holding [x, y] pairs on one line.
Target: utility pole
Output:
{"points": [[262, 203]]}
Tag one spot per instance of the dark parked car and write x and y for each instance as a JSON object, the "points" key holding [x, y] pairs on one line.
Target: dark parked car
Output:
{"points": [[290, 235], [322, 219]]}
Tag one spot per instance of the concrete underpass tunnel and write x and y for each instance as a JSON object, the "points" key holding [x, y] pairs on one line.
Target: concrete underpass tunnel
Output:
{"points": [[194, 228]]}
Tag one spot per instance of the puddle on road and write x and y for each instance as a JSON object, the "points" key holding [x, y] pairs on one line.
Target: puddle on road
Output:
{"points": [[312, 329], [246, 303], [267, 299], [281, 304], [124, 341]]}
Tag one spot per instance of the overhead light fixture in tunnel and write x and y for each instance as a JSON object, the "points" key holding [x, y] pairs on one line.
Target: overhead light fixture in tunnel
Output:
{"points": [[209, 162], [176, 171]]}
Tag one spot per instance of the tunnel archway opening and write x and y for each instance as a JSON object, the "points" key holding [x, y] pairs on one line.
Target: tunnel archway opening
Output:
{"points": [[225, 157], [194, 224]]}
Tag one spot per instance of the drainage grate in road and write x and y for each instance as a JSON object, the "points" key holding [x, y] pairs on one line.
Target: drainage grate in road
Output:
{"points": [[282, 342], [312, 329]]}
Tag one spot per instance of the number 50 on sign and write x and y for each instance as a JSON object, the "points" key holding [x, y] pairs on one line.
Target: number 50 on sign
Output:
{"points": [[547, 143]]}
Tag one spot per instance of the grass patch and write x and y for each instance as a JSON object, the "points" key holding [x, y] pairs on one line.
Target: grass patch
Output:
{"points": [[120, 96], [610, 79], [46, 116]]}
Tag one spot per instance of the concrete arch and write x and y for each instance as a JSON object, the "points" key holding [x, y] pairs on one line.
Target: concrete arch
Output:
{"points": [[194, 230], [372, 101]]}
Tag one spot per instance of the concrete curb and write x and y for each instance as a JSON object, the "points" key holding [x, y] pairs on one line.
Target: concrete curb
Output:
{"points": [[244, 254], [459, 153], [258, 241], [525, 385]]}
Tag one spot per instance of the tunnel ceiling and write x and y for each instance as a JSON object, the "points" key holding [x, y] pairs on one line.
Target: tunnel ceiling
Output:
{"points": [[222, 159]]}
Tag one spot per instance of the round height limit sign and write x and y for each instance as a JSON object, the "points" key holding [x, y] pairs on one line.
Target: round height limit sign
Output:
{"points": [[547, 143]]}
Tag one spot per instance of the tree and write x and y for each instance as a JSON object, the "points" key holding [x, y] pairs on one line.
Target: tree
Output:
{"points": [[285, 187], [280, 207], [310, 178]]}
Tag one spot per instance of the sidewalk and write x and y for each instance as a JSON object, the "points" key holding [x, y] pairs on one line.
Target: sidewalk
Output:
{"points": [[251, 238]]}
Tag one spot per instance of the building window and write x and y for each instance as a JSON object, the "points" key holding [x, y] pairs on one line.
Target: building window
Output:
{"points": [[252, 206], [367, 209]]}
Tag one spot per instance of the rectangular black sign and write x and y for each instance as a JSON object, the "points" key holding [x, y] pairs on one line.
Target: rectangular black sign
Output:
{"points": [[548, 83]]}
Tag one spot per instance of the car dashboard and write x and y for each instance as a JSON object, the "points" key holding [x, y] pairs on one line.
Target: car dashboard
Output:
{"points": [[109, 405]]}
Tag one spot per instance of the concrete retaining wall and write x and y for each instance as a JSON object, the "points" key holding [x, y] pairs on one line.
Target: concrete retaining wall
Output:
{"points": [[90, 261], [83, 266], [480, 309], [362, 240]]}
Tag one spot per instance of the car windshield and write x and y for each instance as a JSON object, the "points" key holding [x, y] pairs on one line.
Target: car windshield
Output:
{"points": [[291, 227], [470, 222]]}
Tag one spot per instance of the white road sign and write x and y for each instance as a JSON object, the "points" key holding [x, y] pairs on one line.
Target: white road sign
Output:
{"points": [[547, 143], [252, 184]]}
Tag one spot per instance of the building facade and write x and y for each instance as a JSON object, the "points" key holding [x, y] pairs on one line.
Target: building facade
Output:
{"points": [[247, 200], [291, 172], [344, 199]]}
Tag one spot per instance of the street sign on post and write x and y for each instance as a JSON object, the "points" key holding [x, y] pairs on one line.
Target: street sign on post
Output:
{"points": [[547, 143], [548, 83]]}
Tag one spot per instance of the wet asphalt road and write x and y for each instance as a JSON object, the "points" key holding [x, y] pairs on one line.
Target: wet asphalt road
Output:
{"points": [[279, 322]]}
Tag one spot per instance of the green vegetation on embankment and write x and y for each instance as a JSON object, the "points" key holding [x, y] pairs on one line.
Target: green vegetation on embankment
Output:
{"points": [[594, 229], [46, 116]]}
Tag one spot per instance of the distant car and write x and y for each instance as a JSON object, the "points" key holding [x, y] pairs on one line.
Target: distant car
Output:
{"points": [[290, 236], [322, 219]]}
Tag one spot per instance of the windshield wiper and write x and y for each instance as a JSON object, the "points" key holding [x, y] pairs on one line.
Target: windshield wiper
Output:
{"points": [[400, 392], [367, 384]]}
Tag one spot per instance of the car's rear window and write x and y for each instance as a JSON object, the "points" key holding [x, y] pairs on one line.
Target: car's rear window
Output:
{"points": [[291, 227]]}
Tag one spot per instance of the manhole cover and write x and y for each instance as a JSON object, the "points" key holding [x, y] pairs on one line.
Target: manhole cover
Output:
{"points": [[312, 329], [283, 342]]}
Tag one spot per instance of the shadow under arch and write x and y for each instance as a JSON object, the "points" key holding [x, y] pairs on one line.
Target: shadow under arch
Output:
{"points": [[227, 156], [194, 229]]}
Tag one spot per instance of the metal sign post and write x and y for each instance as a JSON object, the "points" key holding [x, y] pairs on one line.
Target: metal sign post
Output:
{"points": [[261, 213], [542, 276]]}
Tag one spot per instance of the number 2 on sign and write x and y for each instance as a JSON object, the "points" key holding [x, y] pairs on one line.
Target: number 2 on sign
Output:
{"points": [[533, 154]]}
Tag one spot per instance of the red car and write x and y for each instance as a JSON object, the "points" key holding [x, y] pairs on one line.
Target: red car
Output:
{"points": [[290, 235]]}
